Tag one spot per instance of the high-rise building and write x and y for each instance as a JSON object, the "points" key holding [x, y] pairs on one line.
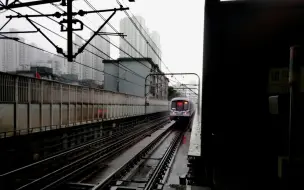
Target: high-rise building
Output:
{"points": [[87, 71], [148, 46], [133, 37], [10, 53], [102, 51], [93, 57], [154, 49], [59, 65], [75, 68], [33, 55], [23, 61]]}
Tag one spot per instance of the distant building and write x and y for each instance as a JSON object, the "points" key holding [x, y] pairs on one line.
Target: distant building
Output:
{"points": [[33, 54], [124, 81], [154, 50], [142, 48], [9, 54], [92, 57], [133, 37]]}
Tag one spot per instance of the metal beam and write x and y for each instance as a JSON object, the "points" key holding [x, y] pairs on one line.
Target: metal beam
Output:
{"points": [[58, 14], [164, 74], [19, 32], [70, 30], [184, 88], [27, 4]]}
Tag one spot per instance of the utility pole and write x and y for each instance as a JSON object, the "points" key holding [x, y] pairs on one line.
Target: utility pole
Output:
{"points": [[70, 29], [69, 21]]}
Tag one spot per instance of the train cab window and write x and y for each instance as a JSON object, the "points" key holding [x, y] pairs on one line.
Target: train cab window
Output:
{"points": [[179, 106], [186, 105]]}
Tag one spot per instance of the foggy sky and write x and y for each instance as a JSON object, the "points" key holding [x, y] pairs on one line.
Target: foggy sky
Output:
{"points": [[179, 23]]}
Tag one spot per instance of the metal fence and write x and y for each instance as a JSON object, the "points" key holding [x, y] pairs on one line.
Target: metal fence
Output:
{"points": [[32, 105]]}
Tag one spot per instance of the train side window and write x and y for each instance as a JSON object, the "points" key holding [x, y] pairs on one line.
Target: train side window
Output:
{"points": [[275, 76]]}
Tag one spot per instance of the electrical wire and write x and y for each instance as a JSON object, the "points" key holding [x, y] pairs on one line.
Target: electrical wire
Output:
{"points": [[74, 43], [119, 3], [103, 18], [108, 42], [147, 40], [114, 29], [145, 37], [74, 61], [85, 41]]}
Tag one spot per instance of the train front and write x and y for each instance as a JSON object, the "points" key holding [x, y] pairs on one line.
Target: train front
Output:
{"points": [[180, 109]]}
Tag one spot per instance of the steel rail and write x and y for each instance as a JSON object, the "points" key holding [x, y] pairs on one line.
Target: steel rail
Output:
{"points": [[161, 167], [6, 178], [57, 176], [109, 128], [163, 163], [69, 151], [136, 158], [129, 142], [73, 150]]}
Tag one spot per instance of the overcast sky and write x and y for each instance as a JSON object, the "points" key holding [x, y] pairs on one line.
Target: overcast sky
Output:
{"points": [[179, 23]]}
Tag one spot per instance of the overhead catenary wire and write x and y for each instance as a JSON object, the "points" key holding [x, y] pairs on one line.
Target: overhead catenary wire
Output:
{"points": [[85, 41], [126, 12], [130, 18], [75, 44], [114, 29], [103, 18], [119, 3], [74, 61], [107, 41]]}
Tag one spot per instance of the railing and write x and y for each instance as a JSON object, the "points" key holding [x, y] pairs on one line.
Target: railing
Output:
{"points": [[32, 105]]}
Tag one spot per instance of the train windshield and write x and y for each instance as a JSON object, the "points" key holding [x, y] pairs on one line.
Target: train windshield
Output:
{"points": [[180, 105]]}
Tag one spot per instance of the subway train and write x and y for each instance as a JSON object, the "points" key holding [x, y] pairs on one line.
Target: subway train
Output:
{"points": [[182, 108]]}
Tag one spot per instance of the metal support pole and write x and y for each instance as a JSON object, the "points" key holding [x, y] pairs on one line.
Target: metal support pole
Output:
{"points": [[16, 106], [51, 105], [295, 101], [76, 104], [41, 104], [69, 105], [70, 29], [60, 107], [29, 106]]}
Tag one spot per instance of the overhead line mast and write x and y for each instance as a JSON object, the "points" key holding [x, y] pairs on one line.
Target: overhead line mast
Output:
{"points": [[69, 21]]}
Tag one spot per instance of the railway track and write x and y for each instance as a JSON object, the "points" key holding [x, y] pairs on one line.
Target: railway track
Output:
{"points": [[147, 169], [55, 170]]}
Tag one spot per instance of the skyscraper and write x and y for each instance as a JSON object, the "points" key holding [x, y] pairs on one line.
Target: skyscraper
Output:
{"points": [[59, 65], [103, 52], [33, 55], [10, 53], [23, 55], [133, 37], [148, 46], [93, 57], [154, 49]]}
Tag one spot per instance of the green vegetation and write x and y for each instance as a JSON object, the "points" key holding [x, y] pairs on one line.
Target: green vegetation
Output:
{"points": [[172, 93]]}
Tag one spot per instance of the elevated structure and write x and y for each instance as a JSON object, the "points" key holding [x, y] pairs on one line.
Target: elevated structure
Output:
{"points": [[29, 105], [135, 81]]}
